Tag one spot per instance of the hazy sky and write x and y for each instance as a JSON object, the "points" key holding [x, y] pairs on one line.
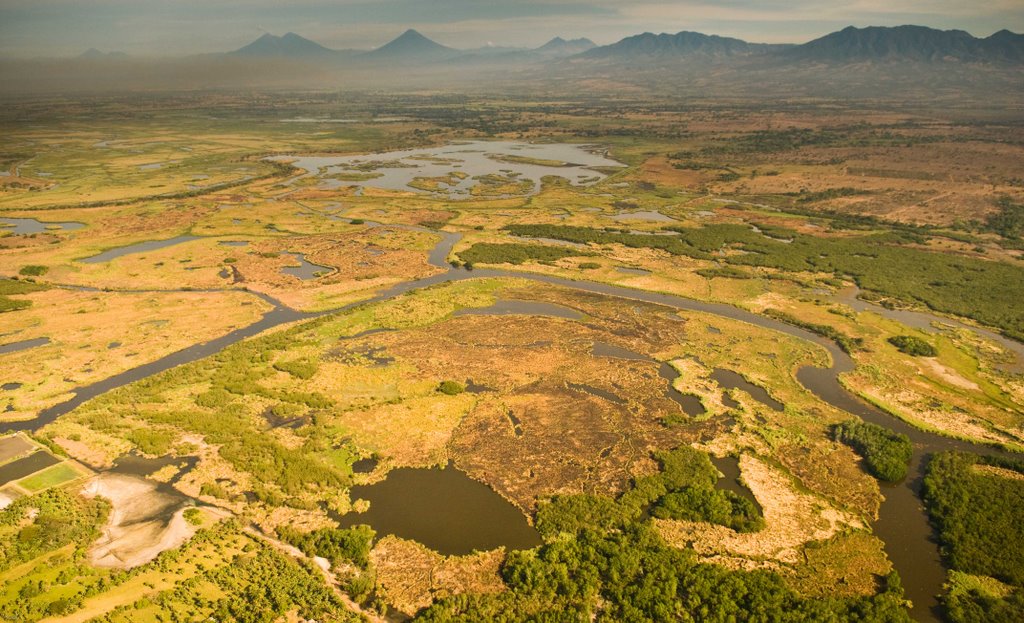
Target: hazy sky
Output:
{"points": [[173, 27]]}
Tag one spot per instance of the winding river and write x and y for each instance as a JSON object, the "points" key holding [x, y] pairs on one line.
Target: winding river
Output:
{"points": [[903, 522]]}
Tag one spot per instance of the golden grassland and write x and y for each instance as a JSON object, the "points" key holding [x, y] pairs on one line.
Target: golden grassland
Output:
{"points": [[95, 335]]}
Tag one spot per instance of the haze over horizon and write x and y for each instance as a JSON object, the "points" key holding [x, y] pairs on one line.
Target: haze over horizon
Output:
{"points": [[149, 28]]}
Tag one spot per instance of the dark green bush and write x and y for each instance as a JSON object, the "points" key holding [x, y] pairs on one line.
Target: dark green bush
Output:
{"points": [[301, 368], [491, 253], [338, 545], [980, 516], [451, 388], [886, 454], [912, 345], [33, 270], [980, 289]]}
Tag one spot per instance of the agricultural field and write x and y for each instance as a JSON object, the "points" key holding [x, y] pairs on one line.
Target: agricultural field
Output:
{"points": [[623, 346]]}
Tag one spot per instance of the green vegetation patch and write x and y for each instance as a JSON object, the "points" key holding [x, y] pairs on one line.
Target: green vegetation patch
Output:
{"points": [[49, 477], [260, 586], [983, 290], [980, 515], [886, 454], [683, 489], [61, 518], [451, 388], [301, 369], [152, 440], [974, 599], [1008, 222], [726, 272], [977, 504], [914, 346], [287, 474], [34, 270], [338, 545], [492, 253], [10, 287]]}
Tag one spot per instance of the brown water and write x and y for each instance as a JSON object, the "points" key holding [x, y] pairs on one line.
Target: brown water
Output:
{"points": [[732, 380], [444, 509], [596, 391], [141, 247], [364, 466], [730, 480], [691, 405], [136, 465]]}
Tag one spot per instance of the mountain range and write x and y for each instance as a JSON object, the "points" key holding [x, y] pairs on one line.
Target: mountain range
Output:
{"points": [[409, 47], [850, 45], [648, 45], [852, 62], [915, 43], [290, 45]]}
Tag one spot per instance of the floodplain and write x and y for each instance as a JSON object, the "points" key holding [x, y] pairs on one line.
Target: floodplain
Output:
{"points": [[256, 344]]}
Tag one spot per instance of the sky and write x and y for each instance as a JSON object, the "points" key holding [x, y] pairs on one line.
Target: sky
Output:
{"points": [[30, 28]]}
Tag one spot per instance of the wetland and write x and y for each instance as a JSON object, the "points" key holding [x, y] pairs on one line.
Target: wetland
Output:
{"points": [[609, 348]]}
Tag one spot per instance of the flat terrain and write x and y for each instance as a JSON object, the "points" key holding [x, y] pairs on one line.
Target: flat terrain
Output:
{"points": [[233, 342]]}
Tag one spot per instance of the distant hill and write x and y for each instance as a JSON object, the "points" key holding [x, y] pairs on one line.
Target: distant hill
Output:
{"points": [[1005, 45], [289, 45], [412, 46], [909, 43], [562, 47], [667, 46], [93, 53]]}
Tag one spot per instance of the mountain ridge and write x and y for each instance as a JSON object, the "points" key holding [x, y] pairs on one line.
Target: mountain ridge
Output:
{"points": [[287, 45], [411, 44], [909, 42]]}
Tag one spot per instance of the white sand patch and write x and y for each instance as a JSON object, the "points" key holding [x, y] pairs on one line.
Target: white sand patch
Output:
{"points": [[947, 374], [143, 522], [792, 519]]}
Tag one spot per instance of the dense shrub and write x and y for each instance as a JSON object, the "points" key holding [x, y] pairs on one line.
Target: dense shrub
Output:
{"points": [[152, 440], [980, 516], [13, 286], [706, 504], [33, 270], [911, 345], [630, 574], [1008, 221], [491, 253], [886, 454], [338, 545], [451, 388], [61, 518], [684, 489], [301, 368], [727, 272], [261, 586], [984, 290]]}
